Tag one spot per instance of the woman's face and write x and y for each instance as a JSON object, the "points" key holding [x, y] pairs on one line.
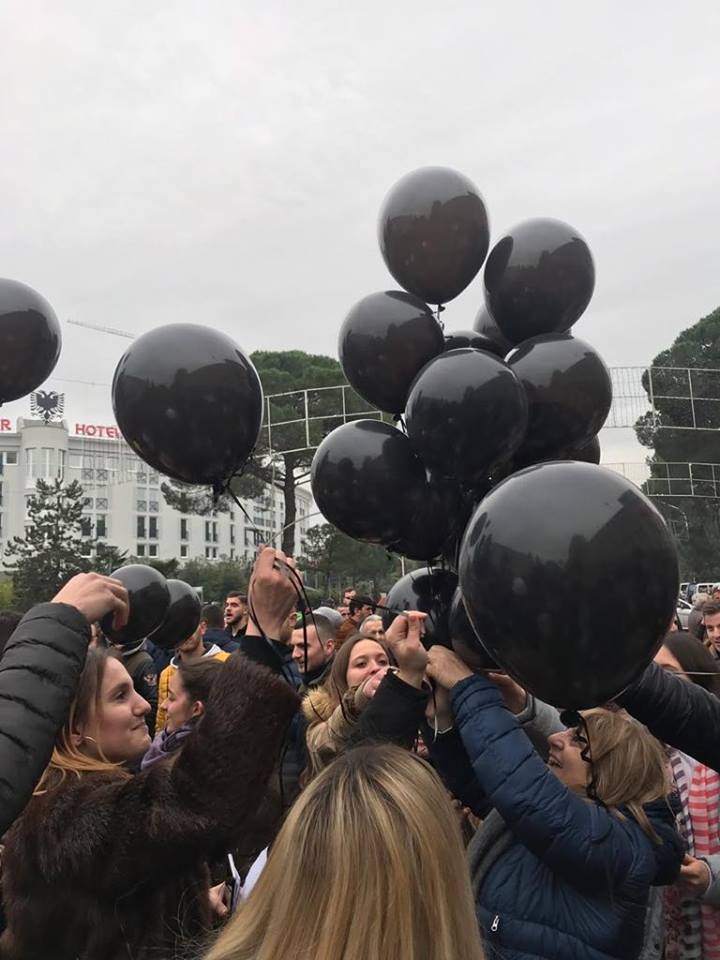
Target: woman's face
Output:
{"points": [[374, 629], [565, 760], [180, 709], [666, 660], [366, 659], [118, 728]]}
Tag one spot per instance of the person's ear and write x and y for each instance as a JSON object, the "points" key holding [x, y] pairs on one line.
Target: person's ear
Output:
{"points": [[198, 709], [330, 646]]}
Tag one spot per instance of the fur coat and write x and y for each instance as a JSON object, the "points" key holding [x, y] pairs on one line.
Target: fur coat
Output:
{"points": [[111, 867]]}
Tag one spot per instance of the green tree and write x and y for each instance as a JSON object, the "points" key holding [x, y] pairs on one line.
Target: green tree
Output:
{"points": [[108, 557], [53, 549], [295, 380], [683, 386], [216, 577], [333, 561]]}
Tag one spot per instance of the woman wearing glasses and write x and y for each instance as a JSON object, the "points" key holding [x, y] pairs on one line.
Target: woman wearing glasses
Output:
{"points": [[568, 851]]}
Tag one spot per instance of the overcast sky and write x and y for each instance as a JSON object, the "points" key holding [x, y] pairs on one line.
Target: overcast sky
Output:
{"points": [[224, 162]]}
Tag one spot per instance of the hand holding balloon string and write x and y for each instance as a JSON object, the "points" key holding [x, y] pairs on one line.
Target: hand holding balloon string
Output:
{"points": [[404, 637], [95, 596]]}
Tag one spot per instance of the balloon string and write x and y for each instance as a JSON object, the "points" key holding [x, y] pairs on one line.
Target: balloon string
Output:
{"points": [[440, 309]]}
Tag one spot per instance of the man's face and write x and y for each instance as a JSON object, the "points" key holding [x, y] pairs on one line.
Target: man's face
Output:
{"points": [[715, 595], [364, 611], [235, 610], [712, 629], [348, 596], [317, 655], [193, 643]]}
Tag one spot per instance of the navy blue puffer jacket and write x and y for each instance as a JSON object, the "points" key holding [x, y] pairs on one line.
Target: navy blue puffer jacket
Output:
{"points": [[573, 884]]}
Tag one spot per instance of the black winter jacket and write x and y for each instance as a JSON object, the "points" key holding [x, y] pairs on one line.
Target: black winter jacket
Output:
{"points": [[679, 713], [39, 672]]}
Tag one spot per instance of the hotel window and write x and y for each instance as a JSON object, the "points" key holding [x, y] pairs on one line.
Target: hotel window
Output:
{"points": [[11, 457], [153, 534], [152, 550], [31, 464], [61, 464], [86, 526], [183, 550], [141, 505], [47, 462], [101, 527], [101, 503], [87, 473], [140, 551], [141, 527], [153, 506], [184, 528]]}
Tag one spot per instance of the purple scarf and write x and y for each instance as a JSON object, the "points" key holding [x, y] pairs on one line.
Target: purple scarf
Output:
{"points": [[165, 744]]}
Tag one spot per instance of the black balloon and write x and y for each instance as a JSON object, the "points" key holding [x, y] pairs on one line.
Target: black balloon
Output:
{"points": [[189, 402], [466, 412], [29, 340], [465, 642], [433, 232], [539, 278], [385, 340], [431, 592], [362, 474], [182, 617], [485, 325], [569, 393], [149, 601], [432, 519], [570, 576], [590, 453], [457, 339]]}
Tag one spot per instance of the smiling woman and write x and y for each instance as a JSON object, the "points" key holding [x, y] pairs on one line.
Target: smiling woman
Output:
{"points": [[118, 861]]}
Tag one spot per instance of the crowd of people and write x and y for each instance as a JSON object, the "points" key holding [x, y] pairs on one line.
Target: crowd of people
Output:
{"points": [[318, 785]]}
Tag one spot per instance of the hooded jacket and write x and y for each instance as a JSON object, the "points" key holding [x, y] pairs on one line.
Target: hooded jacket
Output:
{"points": [[211, 652], [557, 875], [111, 867], [39, 672]]}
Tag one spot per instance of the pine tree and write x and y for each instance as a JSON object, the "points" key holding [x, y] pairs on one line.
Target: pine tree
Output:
{"points": [[52, 550]]}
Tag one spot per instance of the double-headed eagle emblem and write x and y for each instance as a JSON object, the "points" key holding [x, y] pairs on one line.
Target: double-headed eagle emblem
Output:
{"points": [[47, 405]]}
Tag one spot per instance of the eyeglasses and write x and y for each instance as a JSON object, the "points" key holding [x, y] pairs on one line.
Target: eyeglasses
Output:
{"points": [[573, 719]]}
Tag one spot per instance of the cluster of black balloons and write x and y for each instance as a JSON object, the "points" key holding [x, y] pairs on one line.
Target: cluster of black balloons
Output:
{"points": [[486, 420], [163, 611], [30, 340]]}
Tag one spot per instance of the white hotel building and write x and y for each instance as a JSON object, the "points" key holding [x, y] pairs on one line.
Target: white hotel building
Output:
{"points": [[123, 502]]}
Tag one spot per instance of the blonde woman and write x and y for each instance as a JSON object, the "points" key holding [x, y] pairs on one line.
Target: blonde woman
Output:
{"points": [[564, 862], [369, 864], [374, 692]]}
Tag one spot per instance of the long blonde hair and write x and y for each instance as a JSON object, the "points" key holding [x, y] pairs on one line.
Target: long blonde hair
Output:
{"points": [[66, 756], [629, 766], [368, 864]]}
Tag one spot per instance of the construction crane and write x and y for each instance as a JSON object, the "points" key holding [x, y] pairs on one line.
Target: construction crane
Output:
{"points": [[94, 326]]}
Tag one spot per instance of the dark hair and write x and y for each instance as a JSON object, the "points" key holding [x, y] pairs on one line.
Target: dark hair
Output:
{"points": [[695, 659], [198, 678], [9, 619], [212, 615], [337, 681], [236, 593], [358, 602], [711, 608]]}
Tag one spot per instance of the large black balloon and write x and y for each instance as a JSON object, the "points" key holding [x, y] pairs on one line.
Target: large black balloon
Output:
{"points": [[361, 476], [539, 278], [182, 617], [569, 392], [465, 642], [385, 340], [466, 412], [189, 402], [457, 339], [433, 232], [570, 576], [431, 592], [149, 601], [29, 340]]}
